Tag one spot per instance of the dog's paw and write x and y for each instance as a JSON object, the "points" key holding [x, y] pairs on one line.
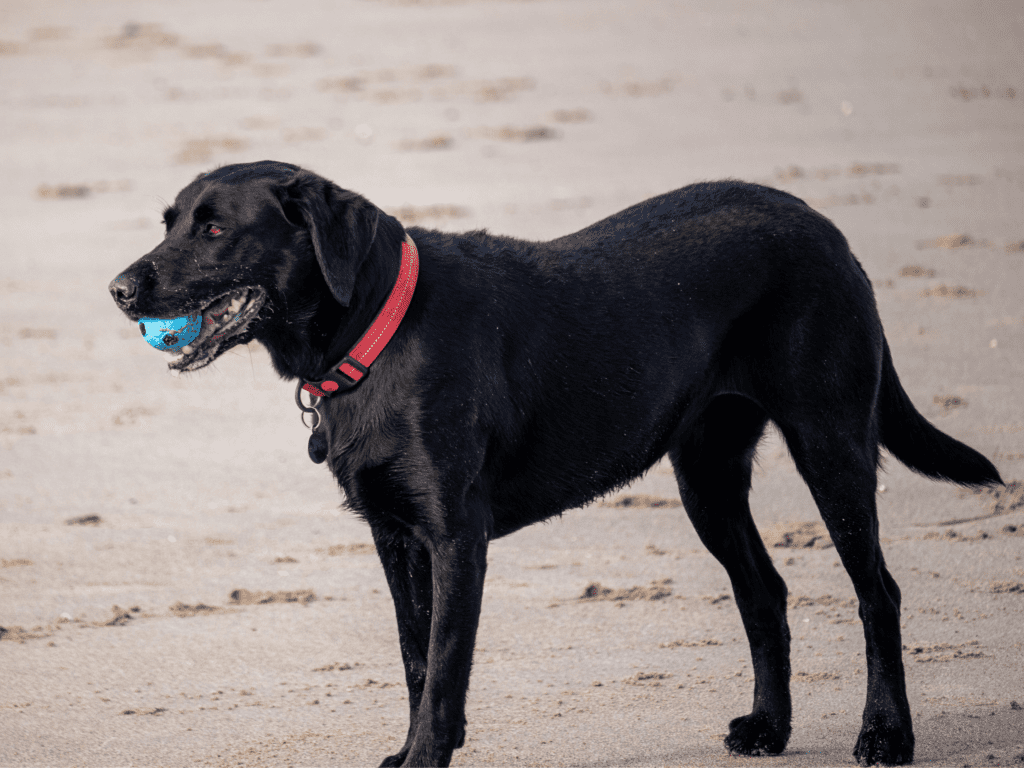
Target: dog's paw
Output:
{"points": [[756, 734], [403, 758], [881, 742]]}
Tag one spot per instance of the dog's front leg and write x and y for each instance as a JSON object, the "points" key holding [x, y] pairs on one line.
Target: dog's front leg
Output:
{"points": [[458, 562], [406, 562]]}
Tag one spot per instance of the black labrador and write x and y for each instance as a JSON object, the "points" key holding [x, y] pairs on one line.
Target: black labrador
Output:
{"points": [[527, 378]]}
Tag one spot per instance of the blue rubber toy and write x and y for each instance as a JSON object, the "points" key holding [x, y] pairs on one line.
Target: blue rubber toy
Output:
{"points": [[170, 335]]}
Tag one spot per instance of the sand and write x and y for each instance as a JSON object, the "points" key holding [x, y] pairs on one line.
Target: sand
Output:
{"points": [[181, 586]]}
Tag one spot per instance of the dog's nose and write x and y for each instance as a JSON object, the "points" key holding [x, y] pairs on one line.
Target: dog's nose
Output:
{"points": [[124, 289]]}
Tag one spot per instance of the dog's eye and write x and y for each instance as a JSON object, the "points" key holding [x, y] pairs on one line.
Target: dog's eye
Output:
{"points": [[213, 229]]}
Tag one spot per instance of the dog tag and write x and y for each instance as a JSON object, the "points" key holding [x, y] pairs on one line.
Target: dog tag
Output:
{"points": [[317, 447]]}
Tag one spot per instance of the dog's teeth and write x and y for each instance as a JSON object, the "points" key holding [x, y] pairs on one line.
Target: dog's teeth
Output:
{"points": [[175, 372], [186, 350], [235, 306]]}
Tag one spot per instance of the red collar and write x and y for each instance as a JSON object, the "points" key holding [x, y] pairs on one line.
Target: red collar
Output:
{"points": [[354, 367]]}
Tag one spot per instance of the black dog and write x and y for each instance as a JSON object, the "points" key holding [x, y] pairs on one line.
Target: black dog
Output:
{"points": [[529, 378]]}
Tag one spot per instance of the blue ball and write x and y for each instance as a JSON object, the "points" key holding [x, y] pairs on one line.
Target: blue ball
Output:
{"points": [[170, 335]]}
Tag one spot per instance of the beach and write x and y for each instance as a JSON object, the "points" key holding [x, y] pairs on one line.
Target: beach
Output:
{"points": [[180, 585]]}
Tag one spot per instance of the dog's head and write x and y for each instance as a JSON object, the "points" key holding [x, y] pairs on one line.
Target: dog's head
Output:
{"points": [[260, 250]]}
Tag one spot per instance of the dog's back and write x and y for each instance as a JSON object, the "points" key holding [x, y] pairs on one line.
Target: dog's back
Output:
{"points": [[612, 340]]}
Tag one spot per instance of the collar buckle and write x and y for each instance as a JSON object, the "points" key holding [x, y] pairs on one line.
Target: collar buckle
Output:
{"points": [[344, 376]]}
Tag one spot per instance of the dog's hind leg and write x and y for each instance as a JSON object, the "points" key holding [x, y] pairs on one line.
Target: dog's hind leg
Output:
{"points": [[837, 454], [713, 463]]}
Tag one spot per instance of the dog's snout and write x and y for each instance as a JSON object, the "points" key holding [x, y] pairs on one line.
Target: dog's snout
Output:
{"points": [[124, 289]]}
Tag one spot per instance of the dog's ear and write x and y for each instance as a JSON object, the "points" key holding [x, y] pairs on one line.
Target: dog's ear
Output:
{"points": [[342, 226]]}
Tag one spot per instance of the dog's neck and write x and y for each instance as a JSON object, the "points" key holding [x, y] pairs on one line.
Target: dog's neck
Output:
{"points": [[305, 341], [349, 370]]}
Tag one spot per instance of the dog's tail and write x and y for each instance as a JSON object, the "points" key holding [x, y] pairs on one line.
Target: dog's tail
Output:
{"points": [[917, 443]]}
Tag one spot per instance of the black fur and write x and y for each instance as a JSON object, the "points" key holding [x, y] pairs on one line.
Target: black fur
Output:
{"points": [[530, 378]]}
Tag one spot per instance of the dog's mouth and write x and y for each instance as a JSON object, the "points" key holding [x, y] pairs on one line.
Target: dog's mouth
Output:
{"points": [[226, 322]]}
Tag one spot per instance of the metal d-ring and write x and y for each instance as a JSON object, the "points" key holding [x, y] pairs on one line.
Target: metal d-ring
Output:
{"points": [[314, 402]]}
